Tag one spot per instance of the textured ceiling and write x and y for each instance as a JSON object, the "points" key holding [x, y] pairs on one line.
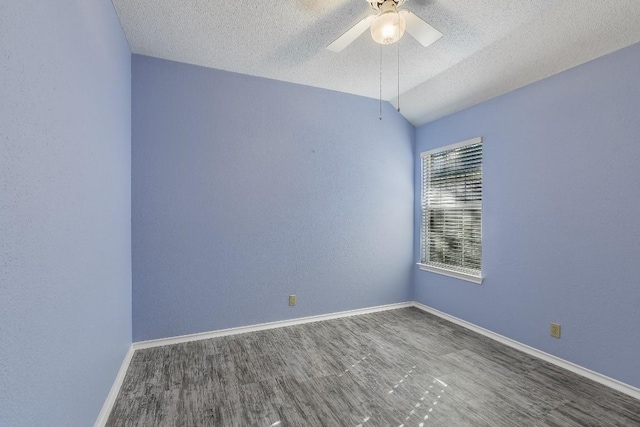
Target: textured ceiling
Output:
{"points": [[489, 47]]}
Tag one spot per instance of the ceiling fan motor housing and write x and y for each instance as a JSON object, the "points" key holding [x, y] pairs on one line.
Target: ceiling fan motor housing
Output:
{"points": [[387, 26], [377, 5]]}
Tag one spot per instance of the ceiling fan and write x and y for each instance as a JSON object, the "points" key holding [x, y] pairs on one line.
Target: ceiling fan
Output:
{"points": [[388, 26]]}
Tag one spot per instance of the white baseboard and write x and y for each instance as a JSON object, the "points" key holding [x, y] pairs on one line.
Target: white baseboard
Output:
{"points": [[569, 366], [262, 326], [117, 384], [115, 389], [599, 378]]}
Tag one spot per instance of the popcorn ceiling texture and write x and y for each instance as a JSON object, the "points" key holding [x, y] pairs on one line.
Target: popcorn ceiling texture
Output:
{"points": [[489, 47]]}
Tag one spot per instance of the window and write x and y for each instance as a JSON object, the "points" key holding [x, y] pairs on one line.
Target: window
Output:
{"points": [[451, 231]]}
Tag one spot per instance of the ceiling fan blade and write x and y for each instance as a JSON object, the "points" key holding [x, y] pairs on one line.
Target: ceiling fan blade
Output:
{"points": [[347, 38], [420, 30]]}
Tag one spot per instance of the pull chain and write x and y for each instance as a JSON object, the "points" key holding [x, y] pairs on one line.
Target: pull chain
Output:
{"points": [[398, 43], [380, 99]]}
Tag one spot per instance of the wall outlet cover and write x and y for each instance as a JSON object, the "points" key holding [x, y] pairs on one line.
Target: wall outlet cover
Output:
{"points": [[555, 330]]}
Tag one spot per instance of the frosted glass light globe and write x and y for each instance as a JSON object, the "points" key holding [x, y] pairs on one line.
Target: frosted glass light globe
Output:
{"points": [[388, 27]]}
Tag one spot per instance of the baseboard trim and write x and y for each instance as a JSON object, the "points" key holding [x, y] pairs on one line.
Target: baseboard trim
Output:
{"points": [[263, 326], [115, 389], [570, 366]]}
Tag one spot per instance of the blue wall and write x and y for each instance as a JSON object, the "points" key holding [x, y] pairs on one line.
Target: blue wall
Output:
{"points": [[65, 255], [561, 235], [246, 190]]}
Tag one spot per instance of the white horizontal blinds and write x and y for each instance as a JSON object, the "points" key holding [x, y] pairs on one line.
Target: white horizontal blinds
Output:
{"points": [[452, 208]]}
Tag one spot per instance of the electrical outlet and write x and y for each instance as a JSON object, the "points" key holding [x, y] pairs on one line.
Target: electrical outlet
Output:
{"points": [[292, 300], [555, 330]]}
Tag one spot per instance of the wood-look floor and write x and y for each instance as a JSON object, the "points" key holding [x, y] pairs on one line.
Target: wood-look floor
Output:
{"points": [[395, 368]]}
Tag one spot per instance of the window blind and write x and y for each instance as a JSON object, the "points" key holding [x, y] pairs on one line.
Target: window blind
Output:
{"points": [[452, 208]]}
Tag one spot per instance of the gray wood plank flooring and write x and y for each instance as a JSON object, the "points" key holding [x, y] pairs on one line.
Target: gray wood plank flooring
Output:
{"points": [[395, 368]]}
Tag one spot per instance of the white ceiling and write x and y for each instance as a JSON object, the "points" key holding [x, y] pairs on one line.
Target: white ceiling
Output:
{"points": [[489, 47]]}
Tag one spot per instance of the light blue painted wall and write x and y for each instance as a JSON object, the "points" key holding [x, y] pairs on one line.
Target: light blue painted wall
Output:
{"points": [[246, 190], [561, 235], [65, 257]]}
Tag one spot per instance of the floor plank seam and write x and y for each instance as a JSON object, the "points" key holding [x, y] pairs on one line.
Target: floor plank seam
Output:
{"points": [[374, 368]]}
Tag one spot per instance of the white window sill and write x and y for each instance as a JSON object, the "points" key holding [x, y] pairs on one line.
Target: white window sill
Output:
{"points": [[468, 277]]}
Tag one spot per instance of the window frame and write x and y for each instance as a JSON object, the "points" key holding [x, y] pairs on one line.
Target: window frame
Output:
{"points": [[423, 208]]}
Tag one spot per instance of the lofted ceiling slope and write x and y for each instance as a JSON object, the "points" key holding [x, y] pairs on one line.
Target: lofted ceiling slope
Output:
{"points": [[489, 47]]}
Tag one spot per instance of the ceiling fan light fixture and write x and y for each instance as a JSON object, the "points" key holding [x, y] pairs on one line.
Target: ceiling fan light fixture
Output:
{"points": [[389, 26]]}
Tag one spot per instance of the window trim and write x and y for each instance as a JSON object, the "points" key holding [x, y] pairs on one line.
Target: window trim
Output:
{"points": [[455, 274], [431, 268], [452, 146]]}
